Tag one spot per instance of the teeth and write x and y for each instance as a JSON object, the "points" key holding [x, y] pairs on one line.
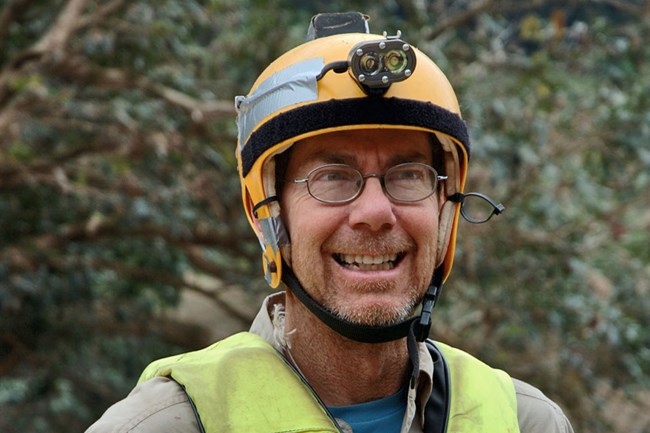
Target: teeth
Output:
{"points": [[363, 262], [367, 260]]}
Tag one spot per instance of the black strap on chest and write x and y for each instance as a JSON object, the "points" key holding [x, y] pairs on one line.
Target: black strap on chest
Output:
{"points": [[436, 412]]}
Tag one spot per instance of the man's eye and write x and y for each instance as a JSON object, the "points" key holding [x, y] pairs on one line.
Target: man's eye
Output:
{"points": [[408, 175], [333, 176]]}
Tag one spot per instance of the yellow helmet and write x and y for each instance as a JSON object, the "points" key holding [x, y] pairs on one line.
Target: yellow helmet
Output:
{"points": [[314, 89]]}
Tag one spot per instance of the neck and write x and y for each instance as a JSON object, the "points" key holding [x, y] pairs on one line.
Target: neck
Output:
{"points": [[340, 370]]}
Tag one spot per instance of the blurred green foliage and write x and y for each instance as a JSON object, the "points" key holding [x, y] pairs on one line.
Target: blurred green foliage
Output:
{"points": [[118, 180]]}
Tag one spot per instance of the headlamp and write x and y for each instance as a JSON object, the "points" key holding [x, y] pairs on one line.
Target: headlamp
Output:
{"points": [[375, 65]]}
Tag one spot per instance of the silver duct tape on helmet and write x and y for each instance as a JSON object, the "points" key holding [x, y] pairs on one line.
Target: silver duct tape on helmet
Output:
{"points": [[293, 85]]}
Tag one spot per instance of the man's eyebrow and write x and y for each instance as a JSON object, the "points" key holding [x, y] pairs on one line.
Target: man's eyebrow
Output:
{"points": [[410, 157], [328, 157]]}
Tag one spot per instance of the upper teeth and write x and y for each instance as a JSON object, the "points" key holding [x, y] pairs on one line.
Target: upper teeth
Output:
{"points": [[368, 260]]}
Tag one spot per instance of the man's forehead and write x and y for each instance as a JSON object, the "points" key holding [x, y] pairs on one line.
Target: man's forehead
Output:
{"points": [[352, 147]]}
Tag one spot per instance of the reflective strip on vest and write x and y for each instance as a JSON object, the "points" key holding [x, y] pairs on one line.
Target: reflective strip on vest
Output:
{"points": [[243, 385]]}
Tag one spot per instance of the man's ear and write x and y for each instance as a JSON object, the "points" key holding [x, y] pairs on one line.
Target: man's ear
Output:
{"points": [[275, 244], [446, 212], [442, 196], [255, 222]]}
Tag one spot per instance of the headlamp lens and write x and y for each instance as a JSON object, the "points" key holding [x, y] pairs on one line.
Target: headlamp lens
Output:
{"points": [[395, 61], [370, 63]]}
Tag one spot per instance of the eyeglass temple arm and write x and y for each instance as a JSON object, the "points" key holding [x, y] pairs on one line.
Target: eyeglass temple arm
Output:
{"points": [[459, 197]]}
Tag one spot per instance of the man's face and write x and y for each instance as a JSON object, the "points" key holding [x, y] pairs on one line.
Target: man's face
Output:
{"points": [[370, 260]]}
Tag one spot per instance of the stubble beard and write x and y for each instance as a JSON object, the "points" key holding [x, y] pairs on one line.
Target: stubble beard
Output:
{"points": [[378, 313]]}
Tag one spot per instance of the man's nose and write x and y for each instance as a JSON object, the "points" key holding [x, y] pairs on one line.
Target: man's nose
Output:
{"points": [[372, 208]]}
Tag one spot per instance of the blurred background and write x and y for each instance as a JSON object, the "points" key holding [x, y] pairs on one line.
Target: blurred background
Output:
{"points": [[122, 237]]}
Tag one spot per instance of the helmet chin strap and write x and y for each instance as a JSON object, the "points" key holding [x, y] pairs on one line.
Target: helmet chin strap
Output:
{"points": [[417, 329]]}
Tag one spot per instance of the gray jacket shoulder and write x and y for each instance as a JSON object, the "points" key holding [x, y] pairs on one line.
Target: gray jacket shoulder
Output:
{"points": [[537, 413], [157, 405]]}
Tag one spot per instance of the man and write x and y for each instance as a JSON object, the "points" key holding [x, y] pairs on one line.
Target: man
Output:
{"points": [[353, 158]]}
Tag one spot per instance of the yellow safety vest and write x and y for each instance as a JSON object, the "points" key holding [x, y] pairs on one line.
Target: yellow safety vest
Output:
{"points": [[242, 385]]}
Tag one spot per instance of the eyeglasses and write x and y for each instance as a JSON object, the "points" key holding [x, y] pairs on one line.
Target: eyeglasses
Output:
{"points": [[341, 183]]}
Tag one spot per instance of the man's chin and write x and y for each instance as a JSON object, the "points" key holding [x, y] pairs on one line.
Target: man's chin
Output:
{"points": [[376, 315]]}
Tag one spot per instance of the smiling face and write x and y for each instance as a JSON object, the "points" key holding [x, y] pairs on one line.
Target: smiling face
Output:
{"points": [[371, 260]]}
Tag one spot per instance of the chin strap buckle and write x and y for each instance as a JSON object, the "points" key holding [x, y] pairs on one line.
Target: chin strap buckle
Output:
{"points": [[424, 324], [419, 331]]}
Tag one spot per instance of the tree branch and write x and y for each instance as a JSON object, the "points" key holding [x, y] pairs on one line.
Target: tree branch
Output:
{"points": [[94, 229], [477, 9], [154, 277], [11, 176], [9, 15], [635, 10], [410, 10], [50, 44], [57, 37], [14, 351], [460, 19], [100, 14], [198, 260], [80, 70]]}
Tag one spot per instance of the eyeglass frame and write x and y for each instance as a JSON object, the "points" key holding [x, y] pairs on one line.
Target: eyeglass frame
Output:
{"points": [[497, 208], [438, 178]]}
